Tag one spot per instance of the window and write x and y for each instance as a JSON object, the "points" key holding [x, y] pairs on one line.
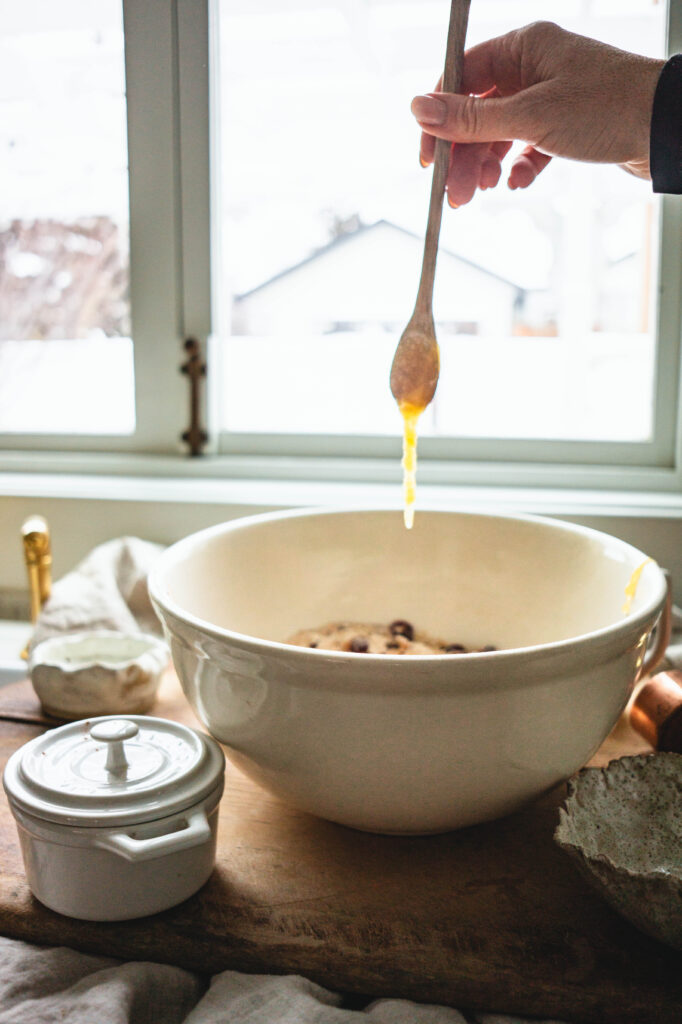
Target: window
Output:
{"points": [[273, 220], [90, 336], [545, 300], [66, 362]]}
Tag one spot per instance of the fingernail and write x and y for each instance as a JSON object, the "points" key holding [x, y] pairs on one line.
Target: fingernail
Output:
{"points": [[429, 110], [453, 206], [423, 162]]}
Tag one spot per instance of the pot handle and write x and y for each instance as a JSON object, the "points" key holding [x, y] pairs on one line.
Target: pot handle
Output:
{"points": [[197, 830], [653, 658]]}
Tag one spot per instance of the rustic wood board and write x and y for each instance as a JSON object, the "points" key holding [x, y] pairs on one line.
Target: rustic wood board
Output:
{"points": [[493, 917]]}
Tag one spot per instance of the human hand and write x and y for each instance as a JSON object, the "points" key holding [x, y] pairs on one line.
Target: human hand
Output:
{"points": [[560, 93]]}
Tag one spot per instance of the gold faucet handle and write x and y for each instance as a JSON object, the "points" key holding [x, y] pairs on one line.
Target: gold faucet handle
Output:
{"points": [[35, 536]]}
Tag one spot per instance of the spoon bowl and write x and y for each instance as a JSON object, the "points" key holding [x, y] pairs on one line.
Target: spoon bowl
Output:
{"points": [[416, 364]]}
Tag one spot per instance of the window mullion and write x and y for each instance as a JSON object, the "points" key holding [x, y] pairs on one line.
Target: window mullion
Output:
{"points": [[195, 196], [155, 236]]}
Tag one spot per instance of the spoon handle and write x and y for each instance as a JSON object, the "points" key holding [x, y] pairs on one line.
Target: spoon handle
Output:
{"points": [[452, 78]]}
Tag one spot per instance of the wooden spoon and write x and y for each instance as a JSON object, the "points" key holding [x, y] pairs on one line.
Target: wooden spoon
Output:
{"points": [[416, 363]]}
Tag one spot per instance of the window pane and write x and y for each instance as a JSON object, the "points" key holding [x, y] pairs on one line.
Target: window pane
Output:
{"points": [[545, 299], [65, 350]]}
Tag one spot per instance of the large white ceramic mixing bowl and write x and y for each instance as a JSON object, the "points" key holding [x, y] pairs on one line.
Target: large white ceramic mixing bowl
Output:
{"points": [[394, 743]]}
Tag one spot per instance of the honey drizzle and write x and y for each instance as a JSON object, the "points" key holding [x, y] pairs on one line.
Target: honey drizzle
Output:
{"points": [[631, 588], [410, 414]]}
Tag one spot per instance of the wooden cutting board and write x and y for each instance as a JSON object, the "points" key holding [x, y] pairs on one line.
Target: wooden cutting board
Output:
{"points": [[493, 917]]}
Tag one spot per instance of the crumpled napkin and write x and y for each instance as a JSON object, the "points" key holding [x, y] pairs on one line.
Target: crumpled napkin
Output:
{"points": [[48, 985], [107, 590]]}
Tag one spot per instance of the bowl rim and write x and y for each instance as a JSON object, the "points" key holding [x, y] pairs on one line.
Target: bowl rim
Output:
{"points": [[605, 635]]}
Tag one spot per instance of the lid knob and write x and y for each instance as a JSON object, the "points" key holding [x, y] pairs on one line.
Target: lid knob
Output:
{"points": [[114, 732]]}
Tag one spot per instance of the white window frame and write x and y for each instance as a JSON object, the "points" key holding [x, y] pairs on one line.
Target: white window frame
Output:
{"points": [[145, 484], [648, 465], [171, 97]]}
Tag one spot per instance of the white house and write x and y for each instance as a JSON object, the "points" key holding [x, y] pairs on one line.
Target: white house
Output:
{"points": [[368, 279]]}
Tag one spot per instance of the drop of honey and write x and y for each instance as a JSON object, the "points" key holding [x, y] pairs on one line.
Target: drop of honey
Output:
{"points": [[410, 414], [631, 588]]}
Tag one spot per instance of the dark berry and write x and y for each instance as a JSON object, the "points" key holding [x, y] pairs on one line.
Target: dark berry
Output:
{"points": [[359, 645], [455, 649], [400, 627]]}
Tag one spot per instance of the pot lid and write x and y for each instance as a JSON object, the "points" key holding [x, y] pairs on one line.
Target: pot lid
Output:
{"points": [[113, 771]]}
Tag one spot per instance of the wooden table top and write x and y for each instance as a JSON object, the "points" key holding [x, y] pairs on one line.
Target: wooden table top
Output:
{"points": [[493, 917]]}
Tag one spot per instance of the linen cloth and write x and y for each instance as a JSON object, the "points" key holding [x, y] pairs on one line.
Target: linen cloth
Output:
{"points": [[50, 985], [107, 590]]}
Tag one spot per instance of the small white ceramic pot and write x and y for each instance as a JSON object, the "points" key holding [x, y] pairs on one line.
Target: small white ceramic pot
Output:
{"points": [[117, 818], [98, 672]]}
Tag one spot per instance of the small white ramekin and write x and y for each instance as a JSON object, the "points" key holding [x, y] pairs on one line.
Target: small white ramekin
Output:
{"points": [[98, 672]]}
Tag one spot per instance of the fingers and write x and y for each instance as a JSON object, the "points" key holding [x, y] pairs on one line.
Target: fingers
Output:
{"points": [[496, 64], [491, 171], [427, 144], [474, 166], [470, 118], [518, 59], [479, 166], [493, 64], [526, 167], [482, 126], [427, 149], [464, 173]]}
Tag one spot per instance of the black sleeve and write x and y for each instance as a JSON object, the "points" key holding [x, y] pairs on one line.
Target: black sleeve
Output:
{"points": [[665, 146]]}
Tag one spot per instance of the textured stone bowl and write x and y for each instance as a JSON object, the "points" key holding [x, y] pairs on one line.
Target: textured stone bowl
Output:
{"points": [[622, 825]]}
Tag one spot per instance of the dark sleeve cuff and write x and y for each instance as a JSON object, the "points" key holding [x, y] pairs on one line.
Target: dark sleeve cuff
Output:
{"points": [[665, 145]]}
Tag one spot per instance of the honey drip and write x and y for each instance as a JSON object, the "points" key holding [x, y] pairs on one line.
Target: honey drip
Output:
{"points": [[631, 588], [410, 414]]}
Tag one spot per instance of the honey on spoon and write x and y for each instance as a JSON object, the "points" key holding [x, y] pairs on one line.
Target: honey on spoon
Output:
{"points": [[416, 363]]}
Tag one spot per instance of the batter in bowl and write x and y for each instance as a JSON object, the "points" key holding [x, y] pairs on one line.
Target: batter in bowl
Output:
{"points": [[398, 637]]}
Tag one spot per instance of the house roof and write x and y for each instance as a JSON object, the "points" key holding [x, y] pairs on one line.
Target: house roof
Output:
{"points": [[351, 236]]}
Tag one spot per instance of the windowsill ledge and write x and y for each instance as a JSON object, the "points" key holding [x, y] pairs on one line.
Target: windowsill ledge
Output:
{"points": [[260, 493]]}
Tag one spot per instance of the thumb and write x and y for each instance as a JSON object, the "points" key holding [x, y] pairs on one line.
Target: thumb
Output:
{"points": [[470, 118]]}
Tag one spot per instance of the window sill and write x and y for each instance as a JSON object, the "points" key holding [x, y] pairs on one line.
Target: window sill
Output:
{"points": [[298, 483]]}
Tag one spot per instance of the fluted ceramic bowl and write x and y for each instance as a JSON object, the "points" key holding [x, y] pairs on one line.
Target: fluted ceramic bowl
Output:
{"points": [[395, 743]]}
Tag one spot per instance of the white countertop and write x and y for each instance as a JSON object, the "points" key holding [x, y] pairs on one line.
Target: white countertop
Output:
{"points": [[13, 638]]}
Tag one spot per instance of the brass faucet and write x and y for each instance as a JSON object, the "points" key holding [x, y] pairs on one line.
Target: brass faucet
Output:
{"points": [[35, 535]]}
